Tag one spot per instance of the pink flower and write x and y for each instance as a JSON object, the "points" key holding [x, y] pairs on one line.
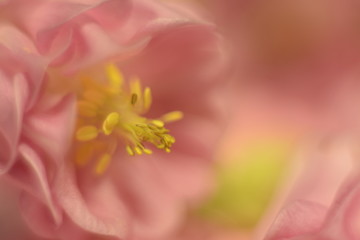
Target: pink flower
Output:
{"points": [[74, 164]]}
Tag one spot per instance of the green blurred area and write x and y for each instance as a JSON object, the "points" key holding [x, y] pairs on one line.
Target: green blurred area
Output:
{"points": [[247, 183]]}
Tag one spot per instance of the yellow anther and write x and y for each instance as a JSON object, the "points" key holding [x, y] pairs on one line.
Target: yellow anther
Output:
{"points": [[102, 164], [87, 109], [158, 123], [115, 76], [160, 146], [129, 150], [147, 99], [167, 150], [147, 151], [86, 133], [169, 139], [110, 122], [172, 116], [135, 87], [134, 97], [138, 150], [95, 97]]}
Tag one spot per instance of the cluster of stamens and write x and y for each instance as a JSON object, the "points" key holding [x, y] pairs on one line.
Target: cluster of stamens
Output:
{"points": [[110, 114]]}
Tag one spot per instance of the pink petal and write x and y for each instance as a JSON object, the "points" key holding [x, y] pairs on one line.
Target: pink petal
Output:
{"points": [[49, 127], [12, 106], [12, 225], [21, 73], [186, 177], [55, 24], [197, 56], [30, 175], [300, 218], [344, 215], [40, 221], [98, 209], [307, 221], [154, 211], [60, 29], [322, 188]]}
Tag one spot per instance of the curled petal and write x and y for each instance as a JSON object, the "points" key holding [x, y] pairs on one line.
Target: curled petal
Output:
{"points": [[300, 218], [309, 221], [30, 175], [21, 73], [12, 106]]}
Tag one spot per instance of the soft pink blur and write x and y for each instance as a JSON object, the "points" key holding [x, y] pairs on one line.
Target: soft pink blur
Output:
{"points": [[299, 57], [295, 71]]}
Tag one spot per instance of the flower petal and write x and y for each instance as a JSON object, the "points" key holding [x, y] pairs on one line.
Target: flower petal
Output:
{"points": [[30, 175], [49, 126], [154, 211], [97, 209], [21, 74], [301, 217]]}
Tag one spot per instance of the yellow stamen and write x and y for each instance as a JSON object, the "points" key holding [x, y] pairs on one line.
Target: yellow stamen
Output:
{"points": [[110, 122], [102, 164], [135, 86], [86, 133], [158, 123], [147, 99], [172, 116], [133, 98], [110, 114], [147, 151], [138, 150], [129, 150], [115, 76], [136, 95], [169, 139]]}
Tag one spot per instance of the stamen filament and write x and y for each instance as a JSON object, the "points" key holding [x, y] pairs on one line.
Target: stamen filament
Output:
{"points": [[83, 154], [102, 164], [87, 109]]}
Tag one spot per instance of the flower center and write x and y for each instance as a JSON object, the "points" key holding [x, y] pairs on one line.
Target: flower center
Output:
{"points": [[110, 113]]}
